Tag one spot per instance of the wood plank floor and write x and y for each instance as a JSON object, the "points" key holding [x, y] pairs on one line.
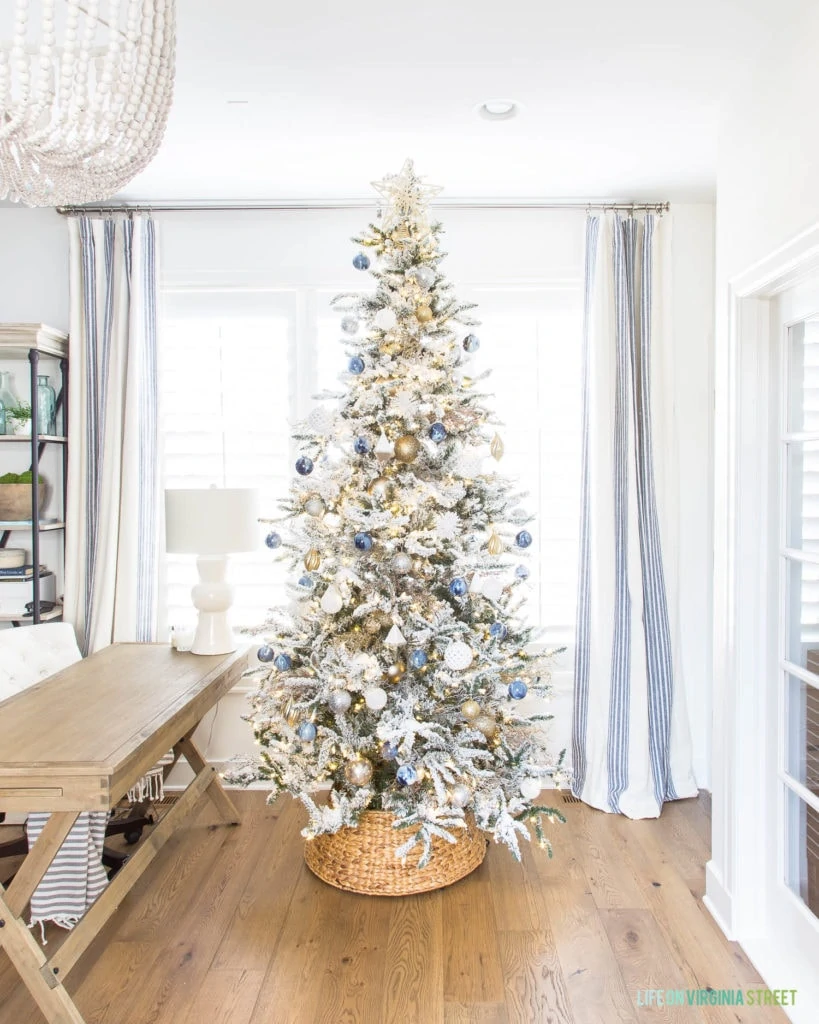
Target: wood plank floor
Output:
{"points": [[229, 927]]}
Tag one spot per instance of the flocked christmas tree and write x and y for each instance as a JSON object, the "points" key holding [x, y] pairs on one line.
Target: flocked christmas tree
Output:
{"points": [[395, 678]]}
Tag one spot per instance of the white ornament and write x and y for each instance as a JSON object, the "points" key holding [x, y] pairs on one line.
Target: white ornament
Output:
{"points": [[320, 420], [395, 638], [314, 506], [375, 698], [424, 276], [402, 562], [490, 586], [446, 526], [458, 656], [339, 701], [383, 447], [460, 795], [404, 403], [332, 520], [530, 788], [331, 601], [385, 319]]}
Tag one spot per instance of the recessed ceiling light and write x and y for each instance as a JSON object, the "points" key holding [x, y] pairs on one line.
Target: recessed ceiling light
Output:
{"points": [[498, 110]]}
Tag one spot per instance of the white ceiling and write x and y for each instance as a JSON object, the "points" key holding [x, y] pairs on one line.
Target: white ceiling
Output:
{"points": [[618, 99]]}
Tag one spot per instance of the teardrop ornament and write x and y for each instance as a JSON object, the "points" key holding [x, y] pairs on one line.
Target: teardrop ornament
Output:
{"points": [[496, 448]]}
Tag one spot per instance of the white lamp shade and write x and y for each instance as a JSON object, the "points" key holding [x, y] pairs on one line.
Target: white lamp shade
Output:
{"points": [[211, 520]]}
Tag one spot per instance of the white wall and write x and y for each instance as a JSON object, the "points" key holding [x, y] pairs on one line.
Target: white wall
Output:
{"points": [[767, 195], [494, 247], [33, 267]]}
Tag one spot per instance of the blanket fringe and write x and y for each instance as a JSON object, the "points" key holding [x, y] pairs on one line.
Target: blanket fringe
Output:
{"points": [[150, 787]]}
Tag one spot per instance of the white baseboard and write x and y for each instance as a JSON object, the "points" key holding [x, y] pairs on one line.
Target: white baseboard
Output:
{"points": [[717, 901]]}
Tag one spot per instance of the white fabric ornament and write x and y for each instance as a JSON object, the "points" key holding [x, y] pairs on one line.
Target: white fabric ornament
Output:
{"points": [[375, 698], [331, 601], [458, 656], [339, 701], [530, 788], [404, 404], [385, 319], [395, 638], [490, 586]]}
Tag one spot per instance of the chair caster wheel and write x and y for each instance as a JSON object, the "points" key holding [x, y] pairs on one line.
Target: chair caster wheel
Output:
{"points": [[132, 837]]}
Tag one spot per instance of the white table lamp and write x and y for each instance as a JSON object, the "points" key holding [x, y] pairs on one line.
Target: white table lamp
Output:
{"points": [[212, 523]]}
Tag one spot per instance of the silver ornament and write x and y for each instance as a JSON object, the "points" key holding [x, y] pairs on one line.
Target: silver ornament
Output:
{"points": [[339, 701], [402, 562], [349, 325], [460, 795], [314, 506], [424, 277]]}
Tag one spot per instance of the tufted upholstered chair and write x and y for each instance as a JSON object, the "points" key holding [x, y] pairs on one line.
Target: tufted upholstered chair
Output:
{"points": [[29, 654]]}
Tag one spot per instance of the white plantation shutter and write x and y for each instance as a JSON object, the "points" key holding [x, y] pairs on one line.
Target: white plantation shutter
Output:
{"points": [[239, 367]]}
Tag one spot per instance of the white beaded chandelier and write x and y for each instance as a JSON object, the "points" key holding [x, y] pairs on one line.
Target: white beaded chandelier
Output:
{"points": [[85, 89]]}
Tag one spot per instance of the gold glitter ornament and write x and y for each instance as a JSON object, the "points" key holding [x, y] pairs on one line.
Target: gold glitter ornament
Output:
{"points": [[494, 545], [496, 448], [406, 448], [401, 233], [372, 624], [391, 348], [488, 726], [423, 314], [470, 709], [312, 560], [396, 671], [380, 488]]}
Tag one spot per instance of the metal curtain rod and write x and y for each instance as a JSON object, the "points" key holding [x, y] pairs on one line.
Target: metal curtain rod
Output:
{"points": [[158, 206]]}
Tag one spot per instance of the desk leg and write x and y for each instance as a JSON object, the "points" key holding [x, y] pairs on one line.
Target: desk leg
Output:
{"points": [[28, 960], [216, 791]]}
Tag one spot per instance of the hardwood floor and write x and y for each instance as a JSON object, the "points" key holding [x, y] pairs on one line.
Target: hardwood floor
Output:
{"points": [[229, 927]]}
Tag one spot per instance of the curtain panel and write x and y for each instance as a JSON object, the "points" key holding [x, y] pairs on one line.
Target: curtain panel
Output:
{"points": [[112, 525], [631, 747]]}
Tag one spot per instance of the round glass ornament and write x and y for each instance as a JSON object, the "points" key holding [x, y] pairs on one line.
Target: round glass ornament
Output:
{"points": [[304, 466], [361, 261], [265, 653], [458, 587], [273, 540], [356, 365], [363, 541], [283, 662]]}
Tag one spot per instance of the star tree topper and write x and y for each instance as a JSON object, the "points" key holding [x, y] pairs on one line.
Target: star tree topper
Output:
{"points": [[405, 196]]}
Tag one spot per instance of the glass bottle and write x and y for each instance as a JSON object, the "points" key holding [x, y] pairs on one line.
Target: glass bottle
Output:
{"points": [[2, 418], [46, 406], [7, 397]]}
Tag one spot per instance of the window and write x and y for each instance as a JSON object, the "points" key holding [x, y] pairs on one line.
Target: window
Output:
{"points": [[240, 366]]}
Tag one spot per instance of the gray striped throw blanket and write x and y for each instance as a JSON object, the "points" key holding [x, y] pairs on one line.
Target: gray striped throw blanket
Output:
{"points": [[76, 877]]}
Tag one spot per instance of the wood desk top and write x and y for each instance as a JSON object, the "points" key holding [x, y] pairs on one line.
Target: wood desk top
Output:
{"points": [[79, 739]]}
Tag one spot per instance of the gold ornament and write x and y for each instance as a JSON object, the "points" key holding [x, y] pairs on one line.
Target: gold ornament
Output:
{"points": [[312, 560], [470, 709], [372, 624], [494, 545], [380, 488], [358, 772], [423, 314], [488, 726], [396, 671], [406, 448], [496, 448], [391, 348], [401, 233]]}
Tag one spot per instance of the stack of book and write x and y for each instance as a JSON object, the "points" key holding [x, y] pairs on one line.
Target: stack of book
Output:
{"points": [[21, 572]]}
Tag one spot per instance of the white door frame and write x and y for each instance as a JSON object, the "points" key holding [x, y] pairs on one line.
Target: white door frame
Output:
{"points": [[745, 584]]}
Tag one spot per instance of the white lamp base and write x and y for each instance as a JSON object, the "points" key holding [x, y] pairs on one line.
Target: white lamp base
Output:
{"points": [[212, 597]]}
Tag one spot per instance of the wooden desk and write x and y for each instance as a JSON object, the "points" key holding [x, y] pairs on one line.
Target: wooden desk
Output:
{"points": [[77, 742]]}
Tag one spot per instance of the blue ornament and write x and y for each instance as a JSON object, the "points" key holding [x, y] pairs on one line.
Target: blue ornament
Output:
{"points": [[522, 572], [363, 541], [273, 540], [305, 581], [437, 432], [458, 587], [361, 445], [349, 325], [356, 365], [472, 343], [498, 630], [361, 262], [265, 653], [306, 731], [518, 689], [523, 539], [406, 775], [389, 751], [304, 466], [418, 659], [283, 662]]}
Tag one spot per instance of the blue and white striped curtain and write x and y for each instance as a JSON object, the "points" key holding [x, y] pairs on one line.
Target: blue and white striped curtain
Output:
{"points": [[631, 747], [113, 485]]}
